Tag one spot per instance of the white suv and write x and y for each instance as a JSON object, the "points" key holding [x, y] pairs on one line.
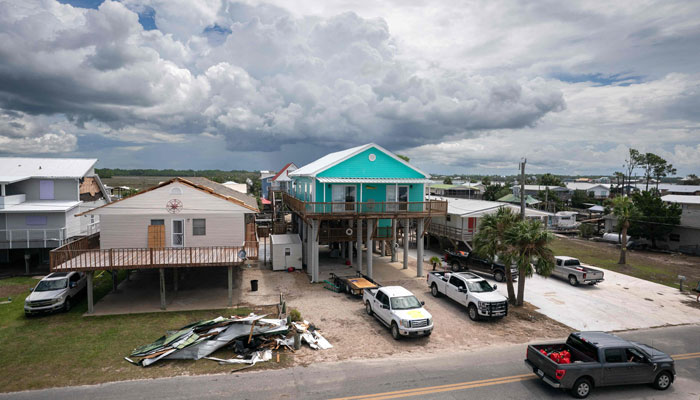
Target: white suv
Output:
{"points": [[55, 292]]}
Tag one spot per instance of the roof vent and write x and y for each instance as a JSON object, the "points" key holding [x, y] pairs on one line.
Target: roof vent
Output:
{"points": [[176, 190], [372, 157]]}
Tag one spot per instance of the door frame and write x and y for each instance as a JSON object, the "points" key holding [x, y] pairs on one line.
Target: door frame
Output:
{"points": [[172, 232]]}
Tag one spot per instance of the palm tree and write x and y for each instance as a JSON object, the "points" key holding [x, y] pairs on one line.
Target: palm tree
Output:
{"points": [[528, 242], [624, 210], [490, 242]]}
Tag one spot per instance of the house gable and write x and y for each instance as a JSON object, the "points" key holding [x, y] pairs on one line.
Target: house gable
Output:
{"points": [[360, 166], [154, 201]]}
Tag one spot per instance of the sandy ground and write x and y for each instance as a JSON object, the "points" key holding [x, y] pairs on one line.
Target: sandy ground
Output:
{"points": [[355, 335]]}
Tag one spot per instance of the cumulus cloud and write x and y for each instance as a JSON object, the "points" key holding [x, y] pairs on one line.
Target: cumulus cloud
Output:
{"points": [[275, 78]]}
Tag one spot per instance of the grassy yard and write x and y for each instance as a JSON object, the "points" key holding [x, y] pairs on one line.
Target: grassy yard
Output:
{"points": [[655, 267], [69, 349]]}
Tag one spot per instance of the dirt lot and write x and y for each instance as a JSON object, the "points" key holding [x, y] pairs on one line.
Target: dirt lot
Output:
{"points": [[355, 335]]}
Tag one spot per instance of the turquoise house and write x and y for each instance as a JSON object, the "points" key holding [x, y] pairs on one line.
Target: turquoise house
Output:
{"points": [[365, 185]]}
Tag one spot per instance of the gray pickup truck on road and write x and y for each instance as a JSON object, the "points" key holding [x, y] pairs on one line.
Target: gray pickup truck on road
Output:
{"points": [[592, 359]]}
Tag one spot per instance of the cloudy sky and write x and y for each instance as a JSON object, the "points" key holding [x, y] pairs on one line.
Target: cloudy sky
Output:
{"points": [[459, 86]]}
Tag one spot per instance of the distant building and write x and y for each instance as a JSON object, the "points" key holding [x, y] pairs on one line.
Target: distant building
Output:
{"points": [[595, 190], [239, 187], [563, 193], [282, 181], [265, 181]]}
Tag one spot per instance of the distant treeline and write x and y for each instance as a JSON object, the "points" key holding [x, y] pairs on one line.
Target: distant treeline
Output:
{"points": [[216, 175]]}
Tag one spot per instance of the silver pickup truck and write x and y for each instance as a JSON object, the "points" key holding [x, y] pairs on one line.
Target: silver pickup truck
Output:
{"points": [[572, 270]]}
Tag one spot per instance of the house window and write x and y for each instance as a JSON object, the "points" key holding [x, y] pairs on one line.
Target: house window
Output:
{"points": [[199, 227], [46, 190], [448, 218], [287, 251], [157, 222], [36, 220], [674, 237]]}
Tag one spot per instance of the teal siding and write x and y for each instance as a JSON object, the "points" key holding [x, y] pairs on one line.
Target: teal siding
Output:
{"points": [[359, 166], [378, 194]]}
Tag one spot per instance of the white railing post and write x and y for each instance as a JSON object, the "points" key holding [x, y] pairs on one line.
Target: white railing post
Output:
{"points": [[10, 238], [44, 238], [27, 238]]}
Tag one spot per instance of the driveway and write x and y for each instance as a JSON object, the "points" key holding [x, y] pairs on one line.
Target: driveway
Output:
{"points": [[621, 302]]}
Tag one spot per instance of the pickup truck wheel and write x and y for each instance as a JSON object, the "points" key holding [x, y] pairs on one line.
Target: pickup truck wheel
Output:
{"points": [[66, 305], [395, 331], [498, 276], [572, 280], [663, 381], [582, 388], [473, 313], [368, 308], [434, 291]]}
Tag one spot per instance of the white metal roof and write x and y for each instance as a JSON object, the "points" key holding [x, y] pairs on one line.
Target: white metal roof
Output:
{"points": [[46, 167], [289, 238], [477, 208], [41, 206], [374, 180], [682, 199], [670, 187], [585, 185], [332, 159], [12, 178], [544, 187]]}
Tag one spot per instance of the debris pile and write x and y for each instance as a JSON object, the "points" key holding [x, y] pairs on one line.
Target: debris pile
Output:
{"points": [[252, 338]]}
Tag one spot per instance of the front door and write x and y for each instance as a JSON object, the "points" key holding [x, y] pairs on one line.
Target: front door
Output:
{"points": [[178, 233], [343, 198], [397, 194]]}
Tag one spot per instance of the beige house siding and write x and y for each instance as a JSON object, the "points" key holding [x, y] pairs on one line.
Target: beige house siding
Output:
{"points": [[131, 231], [125, 224]]}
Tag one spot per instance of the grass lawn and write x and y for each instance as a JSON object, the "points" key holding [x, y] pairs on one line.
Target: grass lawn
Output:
{"points": [[68, 349], [655, 267]]}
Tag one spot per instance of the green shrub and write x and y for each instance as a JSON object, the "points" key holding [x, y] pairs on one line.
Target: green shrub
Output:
{"points": [[295, 314]]}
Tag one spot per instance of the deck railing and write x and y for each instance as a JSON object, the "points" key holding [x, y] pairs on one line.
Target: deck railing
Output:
{"points": [[140, 258], [450, 232], [367, 209], [31, 238]]}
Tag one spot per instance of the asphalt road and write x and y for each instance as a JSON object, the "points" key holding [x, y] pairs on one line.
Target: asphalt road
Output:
{"points": [[494, 373]]}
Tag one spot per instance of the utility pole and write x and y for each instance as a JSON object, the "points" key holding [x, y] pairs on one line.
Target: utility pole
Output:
{"points": [[522, 188]]}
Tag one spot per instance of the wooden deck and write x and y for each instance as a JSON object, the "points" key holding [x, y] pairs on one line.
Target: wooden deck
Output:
{"points": [[365, 210], [140, 258]]}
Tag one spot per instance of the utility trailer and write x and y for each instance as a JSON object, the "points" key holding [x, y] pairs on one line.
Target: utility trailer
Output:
{"points": [[353, 284]]}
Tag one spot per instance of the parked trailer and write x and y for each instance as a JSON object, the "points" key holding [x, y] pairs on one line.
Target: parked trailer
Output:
{"points": [[354, 284]]}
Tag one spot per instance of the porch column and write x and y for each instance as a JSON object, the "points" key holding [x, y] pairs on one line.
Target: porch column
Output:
{"points": [[314, 250], [114, 281], [419, 247], [307, 251], [161, 272], [393, 240], [406, 225], [90, 298], [370, 226], [230, 286], [359, 245], [351, 252]]}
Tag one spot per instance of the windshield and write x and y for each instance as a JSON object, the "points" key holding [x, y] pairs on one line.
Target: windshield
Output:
{"points": [[480, 286], [405, 303], [45, 286]]}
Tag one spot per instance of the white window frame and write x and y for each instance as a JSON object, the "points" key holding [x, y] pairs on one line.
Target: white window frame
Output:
{"points": [[343, 207]]}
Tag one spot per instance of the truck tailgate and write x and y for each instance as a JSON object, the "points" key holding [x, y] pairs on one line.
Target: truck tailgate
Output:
{"points": [[541, 362]]}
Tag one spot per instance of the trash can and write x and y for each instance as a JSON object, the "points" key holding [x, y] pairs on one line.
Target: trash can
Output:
{"points": [[254, 285]]}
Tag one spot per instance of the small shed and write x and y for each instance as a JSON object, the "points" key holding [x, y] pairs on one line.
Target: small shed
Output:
{"points": [[286, 251]]}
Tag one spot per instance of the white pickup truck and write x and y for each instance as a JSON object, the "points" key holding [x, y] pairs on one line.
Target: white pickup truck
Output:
{"points": [[471, 291], [54, 292], [399, 309], [572, 270]]}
